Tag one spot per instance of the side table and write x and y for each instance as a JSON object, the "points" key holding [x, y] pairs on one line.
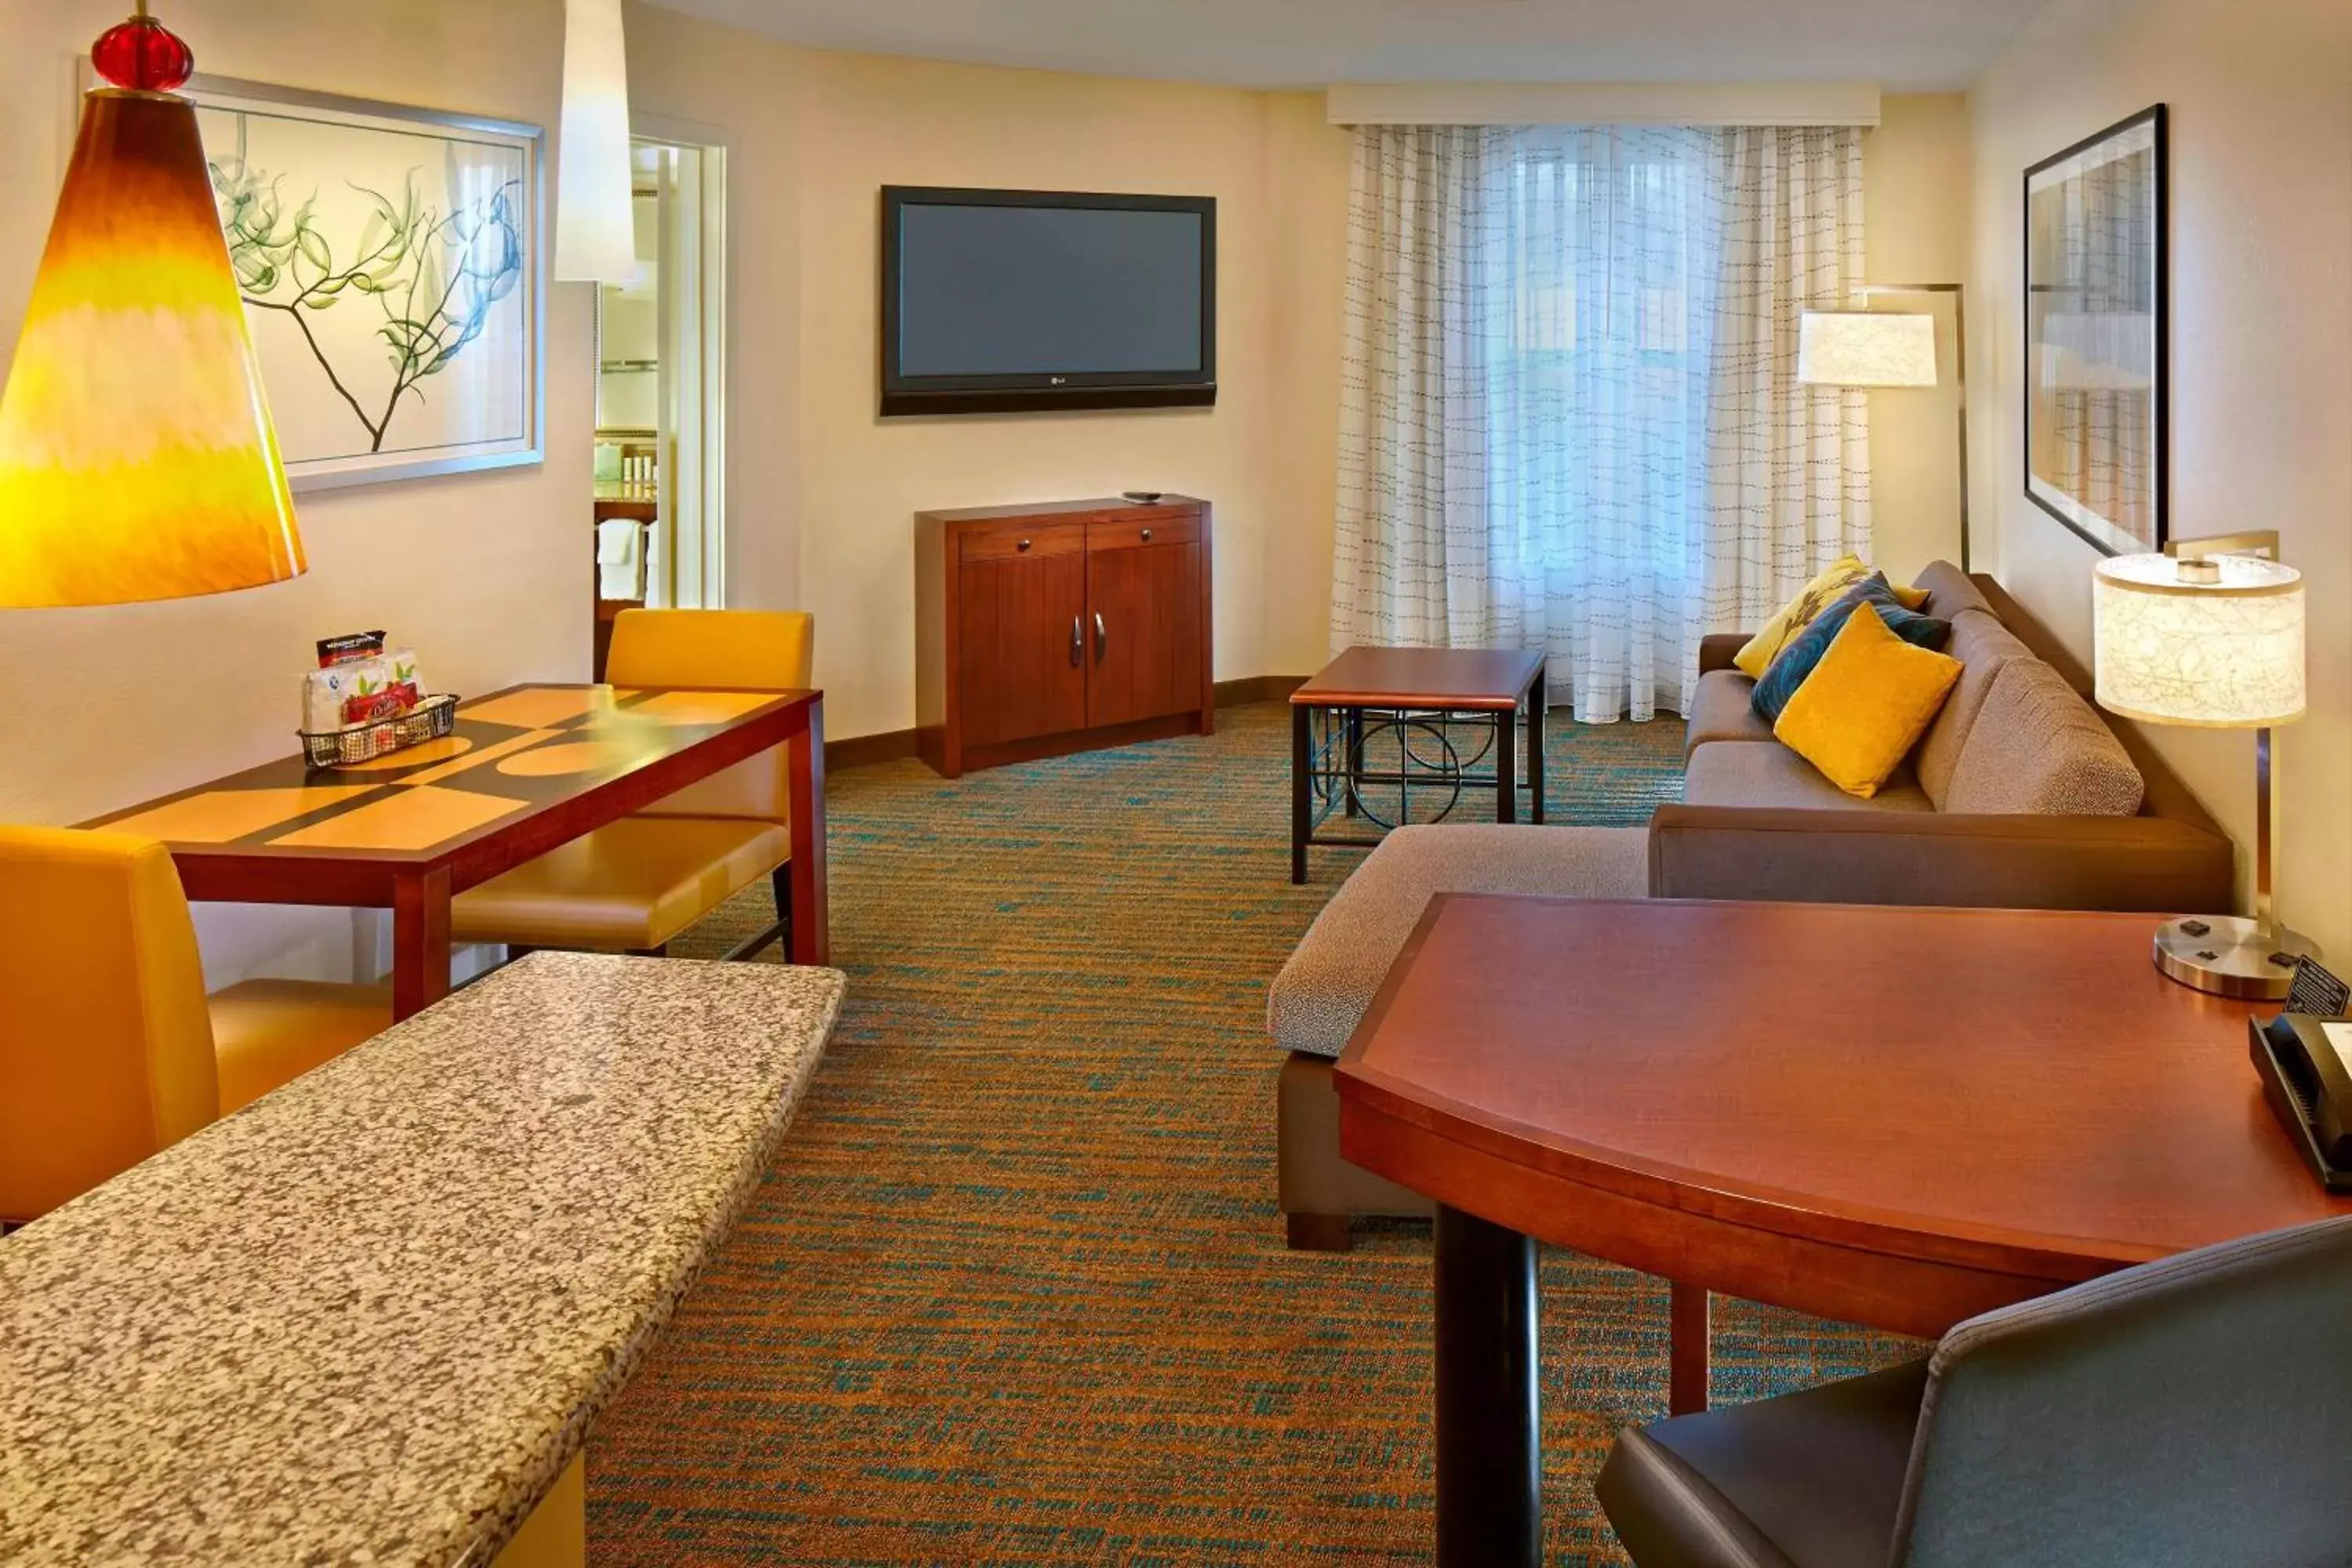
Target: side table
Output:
{"points": [[1369, 691]]}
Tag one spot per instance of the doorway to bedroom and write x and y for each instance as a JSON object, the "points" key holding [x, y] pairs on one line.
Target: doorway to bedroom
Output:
{"points": [[661, 385]]}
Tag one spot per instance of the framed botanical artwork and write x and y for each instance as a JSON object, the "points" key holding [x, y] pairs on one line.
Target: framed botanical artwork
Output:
{"points": [[389, 260], [2096, 371]]}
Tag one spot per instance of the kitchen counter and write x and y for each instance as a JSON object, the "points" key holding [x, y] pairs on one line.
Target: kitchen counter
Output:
{"points": [[370, 1318]]}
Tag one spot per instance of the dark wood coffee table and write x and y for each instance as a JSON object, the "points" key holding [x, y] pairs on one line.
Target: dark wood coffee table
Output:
{"points": [[1409, 688], [1897, 1117]]}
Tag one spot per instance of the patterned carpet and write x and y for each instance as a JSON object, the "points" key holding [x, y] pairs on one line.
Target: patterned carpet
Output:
{"points": [[1015, 1291]]}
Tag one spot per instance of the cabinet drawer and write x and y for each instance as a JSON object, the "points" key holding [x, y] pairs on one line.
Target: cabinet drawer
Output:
{"points": [[1127, 534], [998, 543]]}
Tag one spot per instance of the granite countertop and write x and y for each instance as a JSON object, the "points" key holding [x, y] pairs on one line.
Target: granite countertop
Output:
{"points": [[369, 1318]]}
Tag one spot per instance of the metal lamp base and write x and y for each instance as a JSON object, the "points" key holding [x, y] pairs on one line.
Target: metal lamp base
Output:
{"points": [[2231, 956]]}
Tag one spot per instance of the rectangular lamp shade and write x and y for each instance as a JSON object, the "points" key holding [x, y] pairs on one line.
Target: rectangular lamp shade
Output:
{"points": [[2225, 655], [1867, 348], [595, 233]]}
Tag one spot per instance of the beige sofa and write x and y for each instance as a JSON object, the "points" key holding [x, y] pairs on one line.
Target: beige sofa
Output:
{"points": [[2024, 795]]}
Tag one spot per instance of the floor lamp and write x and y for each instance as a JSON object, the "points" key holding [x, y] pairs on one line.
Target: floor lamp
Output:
{"points": [[1868, 348]]}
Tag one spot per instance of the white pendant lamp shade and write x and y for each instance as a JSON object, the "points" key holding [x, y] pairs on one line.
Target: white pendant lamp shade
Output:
{"points": [[594, 239], [1867, 348], [2226, 654]]}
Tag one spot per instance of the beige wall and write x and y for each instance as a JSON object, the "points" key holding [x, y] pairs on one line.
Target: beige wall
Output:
{"points": [[484, 574], [1308, 161], [2261, 104], [1916, 169], [697, 82], [822, 493]]}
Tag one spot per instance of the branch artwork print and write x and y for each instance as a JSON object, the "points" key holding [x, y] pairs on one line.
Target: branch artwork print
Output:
{"points": [[434, 274]]}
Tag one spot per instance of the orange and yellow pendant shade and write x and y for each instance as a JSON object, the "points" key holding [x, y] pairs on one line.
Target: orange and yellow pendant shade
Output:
{"points": [[137, 459]]}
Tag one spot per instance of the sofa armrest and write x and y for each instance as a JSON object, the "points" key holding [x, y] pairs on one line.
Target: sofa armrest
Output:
{"points": [[2145, 863], [1717, 649]]}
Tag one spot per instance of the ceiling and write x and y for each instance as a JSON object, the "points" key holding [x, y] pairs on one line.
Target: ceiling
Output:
{"points": [[1902, 45]]}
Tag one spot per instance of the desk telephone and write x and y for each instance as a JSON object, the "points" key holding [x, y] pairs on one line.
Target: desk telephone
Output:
{"points": [[2304, 1059]]}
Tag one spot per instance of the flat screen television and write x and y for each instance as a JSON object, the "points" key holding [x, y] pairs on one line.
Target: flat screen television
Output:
{"points": [[996, 301]]}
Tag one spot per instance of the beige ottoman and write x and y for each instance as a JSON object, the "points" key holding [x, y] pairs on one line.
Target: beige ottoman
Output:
{"points": [[1322, 992]]}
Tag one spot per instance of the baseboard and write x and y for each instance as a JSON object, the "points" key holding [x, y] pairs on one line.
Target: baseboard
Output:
{"points": [[865, 750], [896, 745], [1257, 688]]}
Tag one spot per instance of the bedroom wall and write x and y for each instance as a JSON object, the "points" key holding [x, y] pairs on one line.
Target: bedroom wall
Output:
{"points": [[1916, 176], [2261, 118], [102, 708]]}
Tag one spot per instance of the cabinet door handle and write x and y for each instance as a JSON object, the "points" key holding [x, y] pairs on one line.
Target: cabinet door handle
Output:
{"points": [[1023, 546], [1146, 536], [1102, 638], [1077, 643]]}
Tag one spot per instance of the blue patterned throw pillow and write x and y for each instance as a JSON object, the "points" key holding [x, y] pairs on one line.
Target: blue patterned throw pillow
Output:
{"points": [[1796, 661]]}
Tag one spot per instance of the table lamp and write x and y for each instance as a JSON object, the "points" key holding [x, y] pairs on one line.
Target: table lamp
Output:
{"points": [[1869, 349], [2212, 636], [137, 459]]}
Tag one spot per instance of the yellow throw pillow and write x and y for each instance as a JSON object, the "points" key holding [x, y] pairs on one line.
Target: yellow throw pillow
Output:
{"points": [[1866, 704], [1800, 612]]}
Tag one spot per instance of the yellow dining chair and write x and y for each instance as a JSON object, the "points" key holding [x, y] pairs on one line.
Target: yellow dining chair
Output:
{"points": [[631, 885], [108, 1048]]}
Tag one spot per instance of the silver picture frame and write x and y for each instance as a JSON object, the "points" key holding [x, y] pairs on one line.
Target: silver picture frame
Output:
{"points": [[341, 423]]}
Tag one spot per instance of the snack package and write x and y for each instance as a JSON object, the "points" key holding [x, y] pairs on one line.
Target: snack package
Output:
{"points": [[322, 701], [348, 648], [357, 682], [402, 679]]}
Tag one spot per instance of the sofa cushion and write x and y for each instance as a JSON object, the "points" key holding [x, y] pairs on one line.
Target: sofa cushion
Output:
{"points": [[2038, 748], [1767, 773], [1720, 711], [1805, 649], [1757, 655], [1866, 704], [1982, 645], [1949, 590], [1320, 995]]}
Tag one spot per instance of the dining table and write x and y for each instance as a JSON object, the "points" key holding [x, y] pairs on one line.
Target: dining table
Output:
{"points": [[522, 770]]}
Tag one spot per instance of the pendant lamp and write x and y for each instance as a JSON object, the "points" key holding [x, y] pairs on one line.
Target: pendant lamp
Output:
{"points": [[137, 459], [596, 234]]}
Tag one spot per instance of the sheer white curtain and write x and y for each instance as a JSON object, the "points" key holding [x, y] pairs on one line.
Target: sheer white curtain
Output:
{"points": [[1568, 414]]}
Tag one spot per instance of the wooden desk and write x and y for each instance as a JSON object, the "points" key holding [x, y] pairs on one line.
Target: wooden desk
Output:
{"points": [[1899, 1116], [526, 769], [372, 1317]]}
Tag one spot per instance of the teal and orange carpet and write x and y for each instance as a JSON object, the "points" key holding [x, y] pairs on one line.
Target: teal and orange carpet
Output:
{"points": [[1015, 1289]]}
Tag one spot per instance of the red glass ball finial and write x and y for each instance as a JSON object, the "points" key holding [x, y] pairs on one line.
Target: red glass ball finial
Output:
{"points": [[143, 54]]}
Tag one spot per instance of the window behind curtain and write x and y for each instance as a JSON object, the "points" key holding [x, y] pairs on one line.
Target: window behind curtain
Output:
{"points": [[1597, 265], [1568, 414]]}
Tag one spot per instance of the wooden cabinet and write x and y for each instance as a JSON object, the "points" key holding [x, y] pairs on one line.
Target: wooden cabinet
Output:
{"points": [[1046, 629]]}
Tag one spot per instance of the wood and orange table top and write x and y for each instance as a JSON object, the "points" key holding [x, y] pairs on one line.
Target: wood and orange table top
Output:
{"points": [[1423, 677], [2010, 1101], [529, 751]]}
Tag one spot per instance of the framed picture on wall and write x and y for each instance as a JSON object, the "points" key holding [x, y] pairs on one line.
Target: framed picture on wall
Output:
{"points": [[2096, 372], [388, 259]]}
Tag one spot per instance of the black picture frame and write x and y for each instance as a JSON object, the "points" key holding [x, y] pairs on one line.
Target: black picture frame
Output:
{"points": [[903, 395], [2101, 350]]}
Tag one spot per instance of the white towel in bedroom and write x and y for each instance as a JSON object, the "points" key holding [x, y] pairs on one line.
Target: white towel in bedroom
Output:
{"points": [[620, 559]]}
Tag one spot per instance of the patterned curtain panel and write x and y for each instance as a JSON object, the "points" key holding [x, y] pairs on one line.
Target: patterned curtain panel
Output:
{"points": [[1570, 416]]}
